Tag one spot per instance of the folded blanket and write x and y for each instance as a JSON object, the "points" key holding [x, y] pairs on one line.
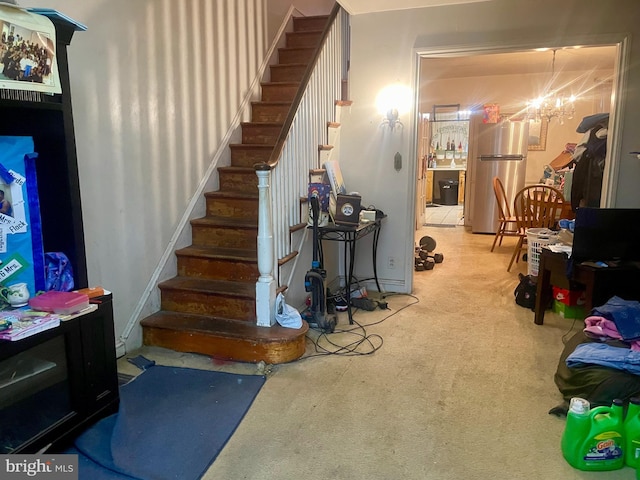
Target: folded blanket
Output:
{"points": [[602, 329], [605, 355], [624, 313]]}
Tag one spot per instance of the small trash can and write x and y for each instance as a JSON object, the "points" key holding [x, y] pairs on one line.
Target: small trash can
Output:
{"points": [[448, 192]]}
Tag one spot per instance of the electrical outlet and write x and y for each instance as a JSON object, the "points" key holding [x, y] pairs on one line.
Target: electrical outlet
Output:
{"points": [[391, 263]]}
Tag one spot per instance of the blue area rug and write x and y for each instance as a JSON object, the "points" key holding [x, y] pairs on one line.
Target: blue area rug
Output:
{"points": [[171, 424]]}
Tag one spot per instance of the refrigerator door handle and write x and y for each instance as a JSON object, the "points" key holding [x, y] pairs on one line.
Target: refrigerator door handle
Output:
{"points": [[498, 157]]}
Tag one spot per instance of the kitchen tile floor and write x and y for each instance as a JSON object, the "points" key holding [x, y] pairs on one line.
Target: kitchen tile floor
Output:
{"points": [[444, 215]]}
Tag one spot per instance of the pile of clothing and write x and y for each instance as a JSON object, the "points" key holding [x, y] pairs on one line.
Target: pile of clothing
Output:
{"points": [[602, 362]]}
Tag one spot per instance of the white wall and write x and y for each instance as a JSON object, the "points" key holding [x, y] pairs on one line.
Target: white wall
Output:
{"points": [[397, 36]]}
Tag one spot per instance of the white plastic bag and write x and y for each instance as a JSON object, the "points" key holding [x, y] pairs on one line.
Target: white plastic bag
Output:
{"points": [[286, 315]]}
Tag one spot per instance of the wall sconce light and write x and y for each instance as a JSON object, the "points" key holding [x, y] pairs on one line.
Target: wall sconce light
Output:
{"points": [[392, 102], [392, 119]]}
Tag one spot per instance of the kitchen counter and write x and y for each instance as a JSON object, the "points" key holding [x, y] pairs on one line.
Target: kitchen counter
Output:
{"points": [[447, 168], [442, 172]]}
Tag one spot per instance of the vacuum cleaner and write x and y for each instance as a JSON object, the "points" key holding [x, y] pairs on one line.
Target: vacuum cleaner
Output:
{"points": [[315, 279]]}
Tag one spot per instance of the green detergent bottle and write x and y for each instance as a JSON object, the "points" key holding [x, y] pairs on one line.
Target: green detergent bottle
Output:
{"points": [[593, 437], [632, 433]]}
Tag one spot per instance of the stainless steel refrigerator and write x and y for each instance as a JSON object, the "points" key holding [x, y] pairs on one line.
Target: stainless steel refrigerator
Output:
{"points": [[495, 149]]}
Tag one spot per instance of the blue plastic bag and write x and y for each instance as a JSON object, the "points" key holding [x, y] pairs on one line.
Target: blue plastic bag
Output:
{"points": [[58, 272]]}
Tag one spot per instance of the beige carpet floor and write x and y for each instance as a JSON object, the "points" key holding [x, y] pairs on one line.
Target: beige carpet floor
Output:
{"points": [[458, 388]]}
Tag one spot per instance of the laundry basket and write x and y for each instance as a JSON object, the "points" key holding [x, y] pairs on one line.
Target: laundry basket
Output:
{"points": [[536, 239]]}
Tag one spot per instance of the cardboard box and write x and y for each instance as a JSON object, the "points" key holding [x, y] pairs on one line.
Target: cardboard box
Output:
{"points": [[566, 311], [571, 298], [561, 161]]}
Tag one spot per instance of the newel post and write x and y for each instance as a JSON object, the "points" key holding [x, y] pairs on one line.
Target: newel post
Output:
{"points": [[266, 285]]}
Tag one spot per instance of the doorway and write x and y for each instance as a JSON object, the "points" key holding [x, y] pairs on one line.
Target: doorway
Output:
{"points": [[509, 79]]}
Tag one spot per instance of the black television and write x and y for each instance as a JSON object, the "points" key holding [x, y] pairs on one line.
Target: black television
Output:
{"points": [[606, 234]]}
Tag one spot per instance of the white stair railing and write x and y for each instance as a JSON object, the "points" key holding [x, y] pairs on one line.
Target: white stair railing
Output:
{"points": [[284, 180]]}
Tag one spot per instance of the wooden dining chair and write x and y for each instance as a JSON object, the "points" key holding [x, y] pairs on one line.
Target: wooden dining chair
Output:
{"points": [[536, 206], [507, 226]]}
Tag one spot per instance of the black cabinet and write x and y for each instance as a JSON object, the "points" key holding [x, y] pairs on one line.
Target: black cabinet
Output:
{"points": [[55, 383], [48, 119]]}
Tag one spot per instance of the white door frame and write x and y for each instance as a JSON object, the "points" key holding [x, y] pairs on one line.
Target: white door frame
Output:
{"points": [[614, 141]]}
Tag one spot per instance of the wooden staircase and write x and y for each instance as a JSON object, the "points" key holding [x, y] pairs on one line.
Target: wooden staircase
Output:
{"points": [[209, 307]]}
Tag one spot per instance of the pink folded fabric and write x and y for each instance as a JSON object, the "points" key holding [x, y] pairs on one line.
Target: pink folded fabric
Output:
{"points": [[602, 328]]}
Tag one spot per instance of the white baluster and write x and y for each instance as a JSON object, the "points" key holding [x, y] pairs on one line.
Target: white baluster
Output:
{"points": [[266, 285]]}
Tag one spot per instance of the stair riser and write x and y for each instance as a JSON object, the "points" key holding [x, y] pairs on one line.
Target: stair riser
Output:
{"points": [[239, 350], [279, 93], [233, 207], [309, 24], [303, 39], [287, 73], [238, 182], [243, 156], [217, 269], [302, 55], [262, 134], [269, 113], [224, 237], [204, 303]]}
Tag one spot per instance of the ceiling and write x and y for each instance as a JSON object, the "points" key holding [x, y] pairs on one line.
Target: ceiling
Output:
{"points": [[567, 59], [357, 7], [520, 63]]}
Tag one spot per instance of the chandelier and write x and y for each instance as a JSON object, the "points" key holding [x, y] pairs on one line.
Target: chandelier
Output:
{"points": [[553, 103]]}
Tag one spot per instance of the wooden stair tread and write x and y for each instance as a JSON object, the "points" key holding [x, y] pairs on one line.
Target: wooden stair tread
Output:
{"points": [[305, 33], [253, 145], [234, 194], [232, 168], [289, 49], [221, 327], [284, 65], [250, 146], [228, 222], [278, 103], [262, 124], [225, 287], [281, 84], [227, 253]]}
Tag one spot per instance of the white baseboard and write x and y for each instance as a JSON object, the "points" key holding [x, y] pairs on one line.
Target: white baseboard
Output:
{"points": [[121, 349]]}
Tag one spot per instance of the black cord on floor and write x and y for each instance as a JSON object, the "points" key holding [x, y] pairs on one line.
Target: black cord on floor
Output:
{"points": [[564, 337], [364, 344]]}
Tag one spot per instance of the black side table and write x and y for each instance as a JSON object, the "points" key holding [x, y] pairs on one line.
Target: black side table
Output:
{"points": [[350, 235]]}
